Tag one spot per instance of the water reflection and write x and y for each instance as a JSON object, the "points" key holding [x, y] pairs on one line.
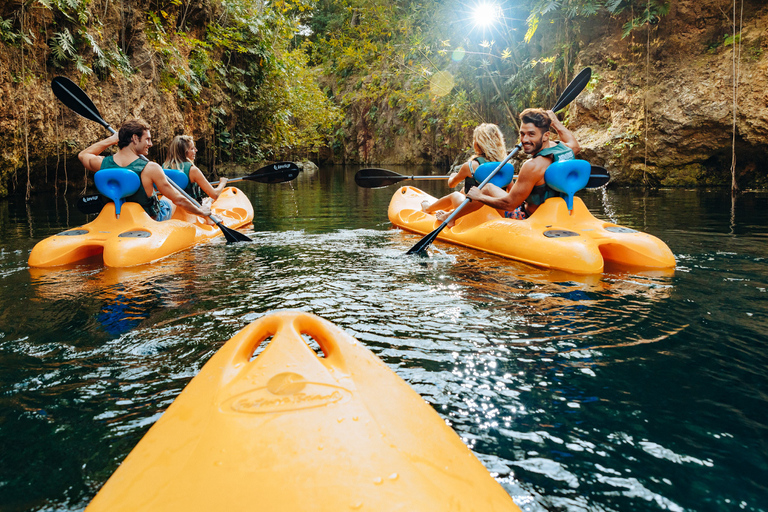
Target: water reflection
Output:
{"points": [[622, 391], [120, 299]]}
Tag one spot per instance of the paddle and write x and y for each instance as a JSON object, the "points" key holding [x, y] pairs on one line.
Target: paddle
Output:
{"points": [[230, 234], [574, 88], [273, 173], [75, 98], [377, 178], [279, 172]]}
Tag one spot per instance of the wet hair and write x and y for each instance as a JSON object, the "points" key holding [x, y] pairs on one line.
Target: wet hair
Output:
{"points": [[537, 117], [488, 141], [177, 152], [130, 128]]}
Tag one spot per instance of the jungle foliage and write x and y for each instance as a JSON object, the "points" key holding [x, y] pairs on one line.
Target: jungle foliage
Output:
{"points": [[285, 78], [440, 68]]}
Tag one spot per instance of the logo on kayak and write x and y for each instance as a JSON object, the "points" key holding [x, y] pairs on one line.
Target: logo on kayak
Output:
{"points": [[287, 392]]}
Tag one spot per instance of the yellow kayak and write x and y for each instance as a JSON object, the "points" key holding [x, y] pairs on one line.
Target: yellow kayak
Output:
{"points": [[292, 430], [134, 238], [552, 237]]}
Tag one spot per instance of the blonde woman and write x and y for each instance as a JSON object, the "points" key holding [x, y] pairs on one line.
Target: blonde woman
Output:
{"points": [[181, 156], [488, 143]]}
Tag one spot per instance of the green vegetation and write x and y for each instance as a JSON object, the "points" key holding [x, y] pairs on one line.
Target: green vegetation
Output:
{"points": [[289, 78]]}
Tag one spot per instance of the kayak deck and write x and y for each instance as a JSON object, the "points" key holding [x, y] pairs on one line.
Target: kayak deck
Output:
{"points": [[552, 237], [294, 430], [135, 239]]}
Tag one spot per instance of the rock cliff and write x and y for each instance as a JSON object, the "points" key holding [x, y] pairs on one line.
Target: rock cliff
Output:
{"points": [[675, 91]]}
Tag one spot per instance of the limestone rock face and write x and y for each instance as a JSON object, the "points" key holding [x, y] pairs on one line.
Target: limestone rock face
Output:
{"points": [[661, 111]]}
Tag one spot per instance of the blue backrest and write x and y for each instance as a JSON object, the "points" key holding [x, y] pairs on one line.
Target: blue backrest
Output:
{"points": [[568, 177], [117, 183], [501, 179], [178, 177]]}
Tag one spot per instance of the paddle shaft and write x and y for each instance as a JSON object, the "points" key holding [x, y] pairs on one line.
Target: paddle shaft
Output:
{"points": [[598, 177], [230, 234]]}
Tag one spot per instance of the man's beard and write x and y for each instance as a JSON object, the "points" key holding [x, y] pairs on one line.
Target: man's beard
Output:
{"points": [[536, 147]]}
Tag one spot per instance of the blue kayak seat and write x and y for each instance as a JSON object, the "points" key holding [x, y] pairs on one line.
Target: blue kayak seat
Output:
{"points": [[117, 183], [178, 177], [568, 177], [501, 179]]}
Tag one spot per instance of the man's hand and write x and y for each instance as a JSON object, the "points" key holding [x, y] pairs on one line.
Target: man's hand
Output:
{"points": [[553, 117], [474, 193]]}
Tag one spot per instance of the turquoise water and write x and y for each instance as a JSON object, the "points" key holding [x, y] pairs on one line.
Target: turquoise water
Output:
{"points": [[615, 392]]}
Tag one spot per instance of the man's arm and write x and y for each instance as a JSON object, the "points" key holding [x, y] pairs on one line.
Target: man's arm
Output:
{"points": [[566, 137], [496, 197], [156, 174], [91, 156]]}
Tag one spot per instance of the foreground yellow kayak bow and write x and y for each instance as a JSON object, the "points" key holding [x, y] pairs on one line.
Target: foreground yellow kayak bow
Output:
{"points": [[292, 430]]}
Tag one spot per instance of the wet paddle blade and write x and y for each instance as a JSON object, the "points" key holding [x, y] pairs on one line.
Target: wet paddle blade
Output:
{"points": [[420, 249], [377, 178], [598, 177], [574, 89], [279, 172], [73, 97], [232, 235]]}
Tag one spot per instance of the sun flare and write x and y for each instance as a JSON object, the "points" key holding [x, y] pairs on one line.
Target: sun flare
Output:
{"points": [[486, 14]]}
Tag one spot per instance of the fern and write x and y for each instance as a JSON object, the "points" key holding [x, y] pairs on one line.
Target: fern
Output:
{"points": [[81, 66], [94, 45], [7, 34], [614, 6], [62, 46]]}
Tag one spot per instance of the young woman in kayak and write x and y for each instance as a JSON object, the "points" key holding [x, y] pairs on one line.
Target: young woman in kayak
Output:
{"points": [[181, 156], [488, 143]]}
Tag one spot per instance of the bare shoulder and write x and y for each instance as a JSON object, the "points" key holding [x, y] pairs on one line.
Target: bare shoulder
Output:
{"points": [[153, 168], [532, 165]]}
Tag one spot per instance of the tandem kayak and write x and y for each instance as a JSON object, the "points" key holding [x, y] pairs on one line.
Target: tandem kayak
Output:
{"points": [[134, 238], [292, 429], [552, 237]]}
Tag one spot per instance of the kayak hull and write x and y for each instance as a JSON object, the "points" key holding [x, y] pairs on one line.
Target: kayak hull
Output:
{"points": [[135, 239], [288, 430], [552, 237]]}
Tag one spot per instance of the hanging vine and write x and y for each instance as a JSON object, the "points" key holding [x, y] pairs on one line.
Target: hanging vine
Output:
{"points": [[736, 70], [28, 194], [645, 96]]}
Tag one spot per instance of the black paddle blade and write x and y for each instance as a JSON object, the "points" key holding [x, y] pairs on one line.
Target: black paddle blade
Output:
{"points": [[231, 235], [72, 96], [598, 177], [377, 178], [574, 88], [420, 249], [279, 172], [90, 204]]}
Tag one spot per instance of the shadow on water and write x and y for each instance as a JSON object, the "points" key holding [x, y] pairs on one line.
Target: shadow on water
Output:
{"points": [[622, 391]]}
